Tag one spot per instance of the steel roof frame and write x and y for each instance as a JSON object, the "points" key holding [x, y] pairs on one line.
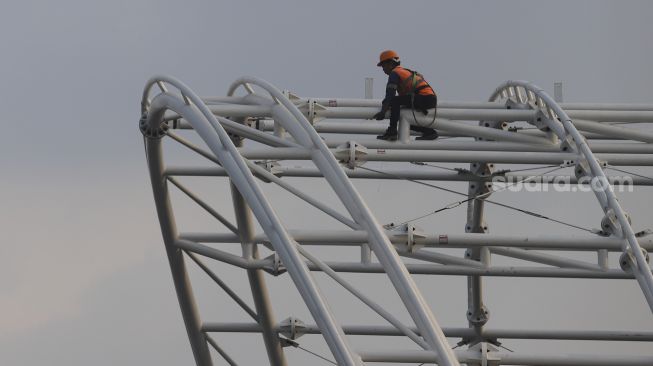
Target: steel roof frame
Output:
{"points": [[222, 123]]}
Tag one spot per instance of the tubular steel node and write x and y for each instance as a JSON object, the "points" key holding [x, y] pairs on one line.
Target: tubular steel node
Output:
{"points": [[251, 139]]}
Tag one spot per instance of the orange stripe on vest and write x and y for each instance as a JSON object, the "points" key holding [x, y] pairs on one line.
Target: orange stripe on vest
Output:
{"points": [[408, 84]]}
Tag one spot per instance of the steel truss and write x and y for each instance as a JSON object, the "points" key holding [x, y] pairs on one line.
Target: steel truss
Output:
{"points": [[287, 127]]}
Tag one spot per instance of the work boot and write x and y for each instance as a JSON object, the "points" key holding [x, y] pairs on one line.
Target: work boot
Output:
{"points": [[428, 136], [389, 135]]}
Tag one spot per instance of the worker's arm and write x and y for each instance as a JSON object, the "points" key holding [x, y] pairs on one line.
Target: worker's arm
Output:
{"points": [[390, 91]]}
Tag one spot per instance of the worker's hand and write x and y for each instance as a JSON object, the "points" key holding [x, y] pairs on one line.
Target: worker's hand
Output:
{"points": [[379, 116]]}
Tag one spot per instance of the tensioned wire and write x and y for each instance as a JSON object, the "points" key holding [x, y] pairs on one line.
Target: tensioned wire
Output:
{"points": [[480, 196], [627, 172], [314, 354]]}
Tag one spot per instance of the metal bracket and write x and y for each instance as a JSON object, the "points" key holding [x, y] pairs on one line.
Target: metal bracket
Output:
{"points": [[292, 328], [277, 268], [269, 165], [414, 236], [513, 103], [610, 224], [627, 262], [486, 356], [582, 168], [479, 318], [568, 144], [568, 163], [483, 186], [255, 122], [540, 121], [294, 98], [352, 154], [501, 125], [478, 188], [483, 171], [285, 342], [313, 109], [149, 132]]}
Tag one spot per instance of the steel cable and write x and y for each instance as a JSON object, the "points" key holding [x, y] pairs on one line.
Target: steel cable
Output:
{"points": [[458, 203]]}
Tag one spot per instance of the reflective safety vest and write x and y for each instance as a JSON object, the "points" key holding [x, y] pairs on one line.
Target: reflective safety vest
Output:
{"points": [[411, 82]]}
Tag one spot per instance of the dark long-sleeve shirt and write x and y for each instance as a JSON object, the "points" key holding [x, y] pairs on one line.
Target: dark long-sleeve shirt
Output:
{"points": [[391, 88]]}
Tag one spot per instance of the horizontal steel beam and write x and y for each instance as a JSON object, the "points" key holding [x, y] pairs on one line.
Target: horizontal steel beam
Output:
{"points": [[414, 174], [446, 113], [499, 157], [357, 102], [614, 131], [419, 356], [544, 258], [415, 268], [339, 127], [451, 270], [483, 111], [451, 332], [436, 156], [597, 147], [441, 240]]}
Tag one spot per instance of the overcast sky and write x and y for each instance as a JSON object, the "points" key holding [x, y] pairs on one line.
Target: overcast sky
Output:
{"points": [[83, 274]]}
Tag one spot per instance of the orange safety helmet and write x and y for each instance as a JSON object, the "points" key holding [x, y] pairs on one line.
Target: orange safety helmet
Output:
{"points": [[388, 55]]}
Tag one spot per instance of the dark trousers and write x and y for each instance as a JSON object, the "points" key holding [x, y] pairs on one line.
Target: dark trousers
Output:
{"points": [[421, 103]]}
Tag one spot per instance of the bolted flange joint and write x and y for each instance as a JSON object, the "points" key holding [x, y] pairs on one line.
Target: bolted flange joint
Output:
{"points": [[276, 268], [292, 328], [352, 154], [627, 260], [413, 235], [583, 169], [568, 144], [610, 224], [480, 317], [148, 131]]}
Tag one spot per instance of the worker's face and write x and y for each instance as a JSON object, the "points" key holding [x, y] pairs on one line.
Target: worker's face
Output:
{"points": [[387, 67]]}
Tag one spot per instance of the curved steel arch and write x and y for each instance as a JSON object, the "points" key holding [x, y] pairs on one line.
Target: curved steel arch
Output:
{"points": [[190, 107], [615, 220], [304, 133]]}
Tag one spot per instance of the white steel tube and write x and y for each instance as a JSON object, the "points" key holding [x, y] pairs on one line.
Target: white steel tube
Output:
{"points": [[256, 278], [450, 332], [183, 287], [292, 171], [453, 270], [533, 256], [440, 240], [353, 102], [452, 114], [614, 131], [504, 157], [474, 357], [220, 255]]}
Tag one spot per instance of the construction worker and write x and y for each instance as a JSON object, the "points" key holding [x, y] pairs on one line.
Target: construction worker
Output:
{"points": [[405, 88]]}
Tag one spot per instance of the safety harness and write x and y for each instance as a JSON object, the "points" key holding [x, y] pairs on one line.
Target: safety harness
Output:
{"points": [[415, 79]]}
